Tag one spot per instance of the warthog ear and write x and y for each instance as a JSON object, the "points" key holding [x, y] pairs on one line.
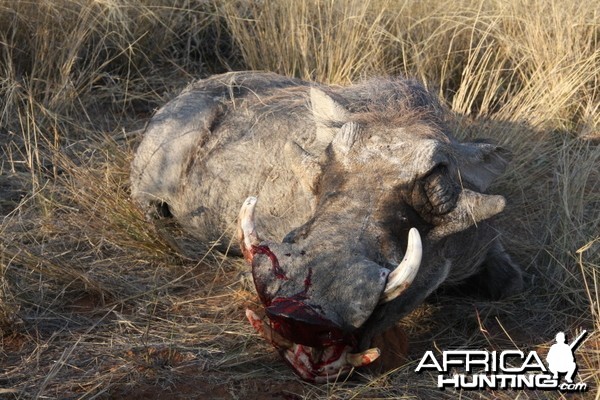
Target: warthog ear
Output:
{"points": [[328, 114], [481, 163], [471, 208], [325, 109]]}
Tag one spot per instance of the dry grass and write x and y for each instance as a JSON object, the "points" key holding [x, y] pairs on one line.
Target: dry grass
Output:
{"points": [[96, 302]]}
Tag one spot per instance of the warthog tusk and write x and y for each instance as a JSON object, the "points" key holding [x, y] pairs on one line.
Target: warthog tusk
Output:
{"points": [[364, 358], [400, 279], [246, 228], [265, 330]]}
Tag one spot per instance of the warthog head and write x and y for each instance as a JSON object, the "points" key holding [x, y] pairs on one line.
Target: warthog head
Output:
{"points": [[365, 201], [386, 180]]}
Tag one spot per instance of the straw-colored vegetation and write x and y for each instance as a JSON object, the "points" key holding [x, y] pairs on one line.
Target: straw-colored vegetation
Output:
{"points": [[97, 302]]}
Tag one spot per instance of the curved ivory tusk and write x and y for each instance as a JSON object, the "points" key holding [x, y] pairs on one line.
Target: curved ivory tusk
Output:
{"points": [[364, 358], [400, 279], [265, 330], [246, 227]]}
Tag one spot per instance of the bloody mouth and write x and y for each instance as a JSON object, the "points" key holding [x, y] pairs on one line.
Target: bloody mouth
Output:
{"points": [[313, 345], [314, 364]]}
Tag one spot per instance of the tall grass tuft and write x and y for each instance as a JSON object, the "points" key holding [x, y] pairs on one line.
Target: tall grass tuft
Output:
{"points": [[327, 41]]}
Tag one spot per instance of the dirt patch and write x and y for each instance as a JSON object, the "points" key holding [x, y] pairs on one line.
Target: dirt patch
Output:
{"points": [[213, 386]]}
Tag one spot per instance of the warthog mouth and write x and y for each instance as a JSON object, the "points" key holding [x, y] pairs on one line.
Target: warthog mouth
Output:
{"points": [[319, 363], [316, 347]]}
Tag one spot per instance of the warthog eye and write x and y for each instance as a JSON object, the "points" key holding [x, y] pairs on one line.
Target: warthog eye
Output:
{"points": [[441, 191]]}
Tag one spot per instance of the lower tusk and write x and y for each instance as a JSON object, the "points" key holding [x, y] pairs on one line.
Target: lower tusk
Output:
{"points": [[247, 234], [400, 279], [364, 358], [265, 330]]}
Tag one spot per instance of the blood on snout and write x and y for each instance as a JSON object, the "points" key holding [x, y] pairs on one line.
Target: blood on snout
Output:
{"points": [[293, 317], [277, 271], [302, 323]]}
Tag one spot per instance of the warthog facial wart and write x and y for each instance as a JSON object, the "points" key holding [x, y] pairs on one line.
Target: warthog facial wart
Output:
{"points": [[353, 203]]}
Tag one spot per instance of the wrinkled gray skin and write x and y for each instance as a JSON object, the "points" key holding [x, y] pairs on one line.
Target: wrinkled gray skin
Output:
{"points": [[341, 174]]}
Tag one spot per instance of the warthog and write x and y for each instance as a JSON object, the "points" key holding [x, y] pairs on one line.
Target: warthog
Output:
{"points": [[346, 178]]}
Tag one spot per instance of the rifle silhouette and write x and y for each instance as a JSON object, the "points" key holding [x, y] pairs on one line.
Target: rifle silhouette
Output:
{"points": [[578, 340]]}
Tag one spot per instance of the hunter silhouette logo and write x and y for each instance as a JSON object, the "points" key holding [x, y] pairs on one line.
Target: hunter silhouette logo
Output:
{"points": [[507, 369], [560, 357]]}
